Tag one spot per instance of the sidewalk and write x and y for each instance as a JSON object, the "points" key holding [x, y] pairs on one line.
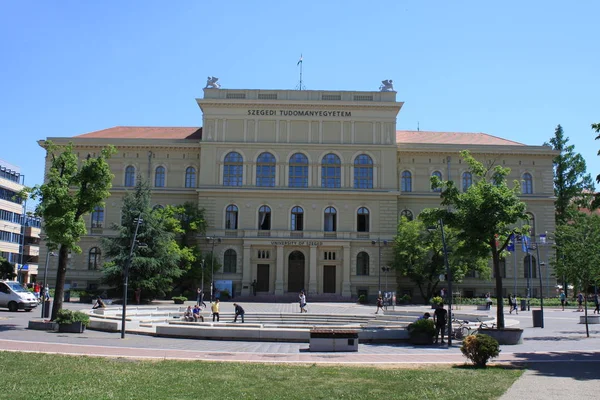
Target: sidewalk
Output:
{"points": [[559, 358]]}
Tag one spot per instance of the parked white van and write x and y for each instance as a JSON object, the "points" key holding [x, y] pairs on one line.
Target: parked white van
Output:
{"points": [[15, 297]]}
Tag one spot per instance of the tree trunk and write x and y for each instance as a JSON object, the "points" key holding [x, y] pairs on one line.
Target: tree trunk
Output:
{"points": [[61, 273], [499, 299], [587, 327]]}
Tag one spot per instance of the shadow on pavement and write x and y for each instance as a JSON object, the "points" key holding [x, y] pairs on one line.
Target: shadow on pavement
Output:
{"points": [[575, 365], [10, 327]]}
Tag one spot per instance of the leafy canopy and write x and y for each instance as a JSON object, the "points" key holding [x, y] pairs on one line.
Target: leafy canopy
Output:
{"points": [[72, 189], [419, 254], [484, 215]]}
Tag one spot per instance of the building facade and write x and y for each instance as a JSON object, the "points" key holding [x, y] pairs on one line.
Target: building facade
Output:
{"points": [[303, 189], [19, 231]]}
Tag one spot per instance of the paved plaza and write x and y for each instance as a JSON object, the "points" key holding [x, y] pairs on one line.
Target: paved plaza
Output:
{"points": [[558, 356]]}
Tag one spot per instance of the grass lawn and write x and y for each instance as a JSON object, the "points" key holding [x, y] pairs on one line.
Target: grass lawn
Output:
{"points": [[44, 376]]}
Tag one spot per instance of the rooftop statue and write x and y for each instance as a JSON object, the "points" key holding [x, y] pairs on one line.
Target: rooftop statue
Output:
{"points": [[211, 82], [387, 86]]}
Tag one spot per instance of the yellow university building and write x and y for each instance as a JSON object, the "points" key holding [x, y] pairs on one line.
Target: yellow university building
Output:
{"points": [[303, 189]]}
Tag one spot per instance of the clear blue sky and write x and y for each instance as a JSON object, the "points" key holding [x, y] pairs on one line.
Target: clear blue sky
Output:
{"points": [[513, 69]]}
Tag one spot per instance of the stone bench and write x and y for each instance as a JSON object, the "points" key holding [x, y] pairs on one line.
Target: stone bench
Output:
{"points": [[482, 307], [591, 319], [333, 340]]}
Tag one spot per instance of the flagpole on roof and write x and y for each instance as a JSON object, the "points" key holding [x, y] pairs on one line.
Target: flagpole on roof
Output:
{"points": [[300, 85]]}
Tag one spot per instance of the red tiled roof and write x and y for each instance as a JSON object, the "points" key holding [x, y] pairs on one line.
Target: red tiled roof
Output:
{"points": [[145, 132], [452, 138]]}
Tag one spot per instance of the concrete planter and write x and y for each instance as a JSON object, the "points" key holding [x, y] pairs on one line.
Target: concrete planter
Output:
{"points": [[506, 336], [73, 327], [41, 325], [591, 319]]}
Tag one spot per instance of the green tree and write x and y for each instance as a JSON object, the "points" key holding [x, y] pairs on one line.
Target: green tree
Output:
{"points": [[419, 254], [7, 270], [484, 215], [571, 182], [72, 189], [192, 224], [596, 203], [155, 264], [580, 252]]}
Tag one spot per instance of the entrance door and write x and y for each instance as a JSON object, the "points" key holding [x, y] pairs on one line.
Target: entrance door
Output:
{"points": [[262, 278], [296, 272], [329, 279]]}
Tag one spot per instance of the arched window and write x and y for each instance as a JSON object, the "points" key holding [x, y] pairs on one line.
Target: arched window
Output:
{"points": [[190, 177], [331, 171], [529, 263], [297, 223], [233, 169], [159, 177], [264, 218], [406, 182], [362, 263], [265, 170], [531, 223], [527, 184], [363, 172], [231, 217], [467, 181], [130, 176], [94, 258], [330, 220], [97, 217], [439, 175], [298, 170], [408, 214], [229, 261], [362, 220]]}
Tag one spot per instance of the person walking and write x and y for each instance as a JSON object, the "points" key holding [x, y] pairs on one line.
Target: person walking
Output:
{"points": [[515, 303], [302, 298], [214, 307], [200, 298], [440, 316], [510, 303], [239, 311], [580, 301], [379, 304], [597, 302], [563, 299]]}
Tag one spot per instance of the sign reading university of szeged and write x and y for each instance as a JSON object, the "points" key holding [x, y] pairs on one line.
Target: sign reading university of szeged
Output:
{"points": [[295, 243], [301, 113]]}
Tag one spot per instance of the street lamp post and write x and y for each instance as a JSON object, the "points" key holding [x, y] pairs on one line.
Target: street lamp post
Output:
{"points": [[449, 275], [43, 291], [386, 270], [202, 283], [137, 222], [213, 240], [379, 242]]}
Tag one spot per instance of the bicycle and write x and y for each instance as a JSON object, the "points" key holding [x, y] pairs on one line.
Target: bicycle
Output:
{"points": [[462, 331], [483, 325]]}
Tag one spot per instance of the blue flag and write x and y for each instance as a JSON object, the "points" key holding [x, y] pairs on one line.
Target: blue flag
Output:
{"points": [[511, 243], [525, 243]]}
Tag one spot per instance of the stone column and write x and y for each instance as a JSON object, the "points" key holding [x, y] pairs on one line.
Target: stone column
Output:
{"points": [[312, 271], [346, 287], [246, 272], [279, 271]]}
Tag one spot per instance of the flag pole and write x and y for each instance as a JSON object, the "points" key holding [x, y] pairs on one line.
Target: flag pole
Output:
{"points": [[300, 86]]}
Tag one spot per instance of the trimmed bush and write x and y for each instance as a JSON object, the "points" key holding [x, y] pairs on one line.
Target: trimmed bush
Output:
{"points": [[179, 299], [437, 300], [65, 316], [480, 348], [424, 326]]}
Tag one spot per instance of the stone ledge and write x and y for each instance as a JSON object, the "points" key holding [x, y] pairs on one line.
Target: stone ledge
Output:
{"points": [[591, 319]]}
